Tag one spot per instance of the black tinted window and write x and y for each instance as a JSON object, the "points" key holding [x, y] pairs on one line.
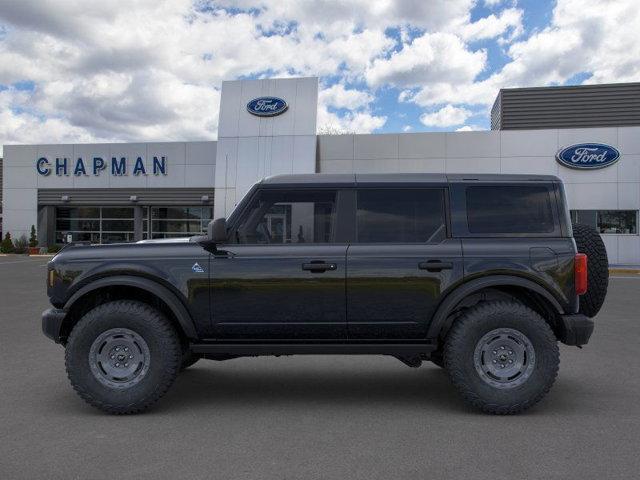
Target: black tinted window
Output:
{"points": [[401, 216], [289, 217], [509, 209]]}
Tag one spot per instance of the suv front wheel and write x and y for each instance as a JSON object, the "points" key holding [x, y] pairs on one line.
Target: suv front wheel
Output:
{"points": [[502, 357], [122, 356]]}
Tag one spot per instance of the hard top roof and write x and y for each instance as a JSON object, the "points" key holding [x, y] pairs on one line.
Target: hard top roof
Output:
{"points": [[325, 179]]}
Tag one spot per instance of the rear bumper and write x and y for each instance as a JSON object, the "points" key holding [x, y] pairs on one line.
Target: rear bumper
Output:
{"points": [[52, 323], [576, 329]]}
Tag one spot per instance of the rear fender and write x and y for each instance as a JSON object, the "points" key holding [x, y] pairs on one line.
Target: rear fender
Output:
{"points": [[440, 324]]}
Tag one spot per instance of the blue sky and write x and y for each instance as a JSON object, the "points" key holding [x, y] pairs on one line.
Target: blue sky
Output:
{"points": [[77, 71]]}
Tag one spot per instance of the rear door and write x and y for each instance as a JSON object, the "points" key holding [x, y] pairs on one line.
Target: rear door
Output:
{"points": [[401, 261]]}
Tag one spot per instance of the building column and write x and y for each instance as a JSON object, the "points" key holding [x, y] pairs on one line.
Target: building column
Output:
{"points": [[46, 228], [138, 216]]}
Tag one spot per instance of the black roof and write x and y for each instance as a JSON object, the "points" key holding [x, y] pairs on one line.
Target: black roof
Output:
{"points": [[326, 179]]}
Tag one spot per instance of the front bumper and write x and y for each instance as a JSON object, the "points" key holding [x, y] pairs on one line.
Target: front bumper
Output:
{"points": [[52, 323], [575, 329]]}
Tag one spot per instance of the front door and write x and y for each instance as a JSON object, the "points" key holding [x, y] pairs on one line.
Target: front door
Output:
{"points": [[401, 262], [282, 276]]}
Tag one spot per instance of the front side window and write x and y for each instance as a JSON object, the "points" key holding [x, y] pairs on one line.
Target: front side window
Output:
{"points": [[281, 217], [498, 209], [401, 216]]}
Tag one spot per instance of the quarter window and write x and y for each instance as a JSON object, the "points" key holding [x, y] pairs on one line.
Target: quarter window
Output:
{"points": [[401, 216], [509, 209], [281, 217]]}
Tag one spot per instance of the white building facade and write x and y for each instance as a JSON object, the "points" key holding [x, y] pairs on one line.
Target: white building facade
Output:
{"points": [[124, 192]]}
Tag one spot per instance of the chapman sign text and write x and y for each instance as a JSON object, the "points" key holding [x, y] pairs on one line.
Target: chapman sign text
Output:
{"points": [[117, 166]]}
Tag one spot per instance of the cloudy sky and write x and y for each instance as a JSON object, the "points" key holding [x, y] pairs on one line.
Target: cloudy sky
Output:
{"points": [[108, 70]]}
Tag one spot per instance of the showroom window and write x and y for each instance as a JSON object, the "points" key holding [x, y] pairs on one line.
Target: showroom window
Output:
{"points": [[608, 221], [172, 222], [278, 217], [401, 216], [94, 224], [509, 209]]}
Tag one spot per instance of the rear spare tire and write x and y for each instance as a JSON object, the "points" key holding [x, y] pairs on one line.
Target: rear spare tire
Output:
{"points": [[589, 242]]}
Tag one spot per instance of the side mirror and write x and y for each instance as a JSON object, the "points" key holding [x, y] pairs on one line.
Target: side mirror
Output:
{"points": [[217, 230]]}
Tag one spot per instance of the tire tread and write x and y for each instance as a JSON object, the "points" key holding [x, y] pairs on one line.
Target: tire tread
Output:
{"points": [[165, 331], [458, 335]]}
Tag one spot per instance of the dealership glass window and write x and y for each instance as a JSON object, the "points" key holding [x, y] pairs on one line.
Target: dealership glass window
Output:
{"points": [[288, 217], [608, 221], [94, 224], [509, 209], [172, 222], [401, 216]]}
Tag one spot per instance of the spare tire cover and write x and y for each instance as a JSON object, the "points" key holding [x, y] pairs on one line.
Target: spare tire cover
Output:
{"points": [[589, 242]]}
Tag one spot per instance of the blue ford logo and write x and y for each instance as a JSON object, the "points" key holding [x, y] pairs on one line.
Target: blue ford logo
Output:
{"points": [[267, 106], [588, 156]]}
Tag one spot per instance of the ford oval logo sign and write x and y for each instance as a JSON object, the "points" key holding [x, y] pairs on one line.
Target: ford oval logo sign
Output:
{"points": [[588, 156], [267, 106]]}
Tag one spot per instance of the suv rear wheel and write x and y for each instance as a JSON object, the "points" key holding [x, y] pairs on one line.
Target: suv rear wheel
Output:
{"points": [[122, 356], [502, 357]]}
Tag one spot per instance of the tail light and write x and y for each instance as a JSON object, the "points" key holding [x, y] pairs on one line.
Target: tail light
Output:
{"points": [[580, 270]]}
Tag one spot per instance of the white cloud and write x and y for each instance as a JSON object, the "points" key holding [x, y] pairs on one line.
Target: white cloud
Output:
{"points": [[152, 70], [590, 36], [493, 3], [469, 128], [447, 116], [407, 128], [509, 20], [432, 57], [338, 96]]}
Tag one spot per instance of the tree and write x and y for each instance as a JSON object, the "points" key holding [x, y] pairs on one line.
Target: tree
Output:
{"points": [[7, 244], [333, 129], [33, 239], [20, 245]]}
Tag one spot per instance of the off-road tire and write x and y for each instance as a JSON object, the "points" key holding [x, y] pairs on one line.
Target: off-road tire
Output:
{"points": [[164, 356], [589, 241], [437, 359], [188, 358], [468, 331]]}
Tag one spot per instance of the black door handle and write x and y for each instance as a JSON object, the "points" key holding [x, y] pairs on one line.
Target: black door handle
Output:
{"points": [[435, 266], [319, 267]]}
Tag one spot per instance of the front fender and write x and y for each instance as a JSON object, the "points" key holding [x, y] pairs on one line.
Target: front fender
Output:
{"points": [[173, 302]]}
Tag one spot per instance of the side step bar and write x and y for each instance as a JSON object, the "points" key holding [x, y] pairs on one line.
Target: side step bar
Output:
{"points": [[258, 349]]}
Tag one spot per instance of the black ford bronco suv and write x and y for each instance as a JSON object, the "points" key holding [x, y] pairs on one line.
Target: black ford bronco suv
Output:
{"points": [[480, 274]]}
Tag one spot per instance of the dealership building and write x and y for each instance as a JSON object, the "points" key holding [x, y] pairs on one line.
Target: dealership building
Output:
{"points": [[589, 136]]}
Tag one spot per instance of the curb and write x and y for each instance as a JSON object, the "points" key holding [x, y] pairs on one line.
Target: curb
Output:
{"points": [[627, 271]]}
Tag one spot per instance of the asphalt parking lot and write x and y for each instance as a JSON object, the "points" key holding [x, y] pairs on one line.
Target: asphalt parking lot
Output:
{"points": [[316, 417]]}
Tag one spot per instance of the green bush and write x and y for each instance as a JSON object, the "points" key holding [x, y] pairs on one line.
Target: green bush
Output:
{"points": [[54, 249], [33, 239], [21, 244], [7, 244]]}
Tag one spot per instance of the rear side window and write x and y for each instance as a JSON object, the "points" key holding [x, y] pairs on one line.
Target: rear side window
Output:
{"points": [[509, 209], [401, 216]]}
